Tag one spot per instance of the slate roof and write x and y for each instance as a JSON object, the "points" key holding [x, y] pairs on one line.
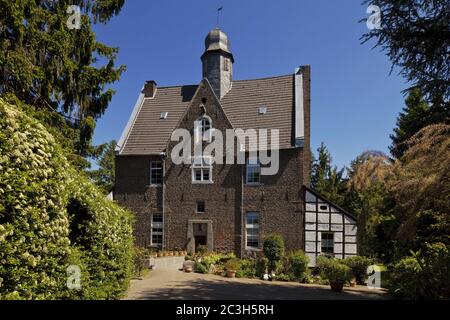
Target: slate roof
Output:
{"points": [[149, 134]]}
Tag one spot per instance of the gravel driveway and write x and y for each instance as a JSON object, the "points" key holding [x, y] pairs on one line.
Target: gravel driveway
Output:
{"points": [[177, 285]]}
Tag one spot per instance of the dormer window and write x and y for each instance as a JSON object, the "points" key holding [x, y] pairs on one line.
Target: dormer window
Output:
{"points": [[163, 115], [253, 172]]}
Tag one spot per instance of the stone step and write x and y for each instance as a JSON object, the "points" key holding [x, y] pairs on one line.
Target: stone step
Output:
{"points": [[167, 263]]}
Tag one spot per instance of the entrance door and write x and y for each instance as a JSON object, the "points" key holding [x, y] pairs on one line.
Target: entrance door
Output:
{"points": [[200, 234]]}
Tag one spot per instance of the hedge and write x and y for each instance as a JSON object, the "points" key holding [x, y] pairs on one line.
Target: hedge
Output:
{"points": [[52, 217]]}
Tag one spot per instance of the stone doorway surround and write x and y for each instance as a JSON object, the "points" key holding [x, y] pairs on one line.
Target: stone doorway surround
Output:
{"points": [[190, 235]]}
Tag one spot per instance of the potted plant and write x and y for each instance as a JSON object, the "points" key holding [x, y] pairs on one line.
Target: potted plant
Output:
{"points": [[188, 266], [338, 274], [231, 267]]}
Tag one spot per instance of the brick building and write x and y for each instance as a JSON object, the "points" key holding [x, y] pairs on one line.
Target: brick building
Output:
{"points": [[227, 207]]}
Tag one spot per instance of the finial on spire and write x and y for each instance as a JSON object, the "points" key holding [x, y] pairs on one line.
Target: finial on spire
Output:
{"points": [[218, 16]]}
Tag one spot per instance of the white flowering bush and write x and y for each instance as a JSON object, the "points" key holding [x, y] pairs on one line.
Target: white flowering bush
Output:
{"points": [[41, 232]]}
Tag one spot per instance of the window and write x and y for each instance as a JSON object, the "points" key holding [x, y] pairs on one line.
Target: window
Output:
{"points": [[200, 206], [327, 243], [252, 228], [226, 65], [157, 230], [156, 173], [203, 126], [202, 170], [163, 115], [253, 172]]}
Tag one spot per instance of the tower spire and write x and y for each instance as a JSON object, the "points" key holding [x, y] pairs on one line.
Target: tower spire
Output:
{"points": [[218, 16]]}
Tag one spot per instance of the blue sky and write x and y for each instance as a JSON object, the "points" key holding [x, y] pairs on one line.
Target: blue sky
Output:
{"points": [[355, 101]]}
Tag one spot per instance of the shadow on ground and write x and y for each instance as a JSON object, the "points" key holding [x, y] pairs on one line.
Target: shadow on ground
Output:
{"points": [[217, 288]]}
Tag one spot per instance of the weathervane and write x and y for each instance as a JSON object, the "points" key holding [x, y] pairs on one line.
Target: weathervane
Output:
{"points": [[218, 16]]}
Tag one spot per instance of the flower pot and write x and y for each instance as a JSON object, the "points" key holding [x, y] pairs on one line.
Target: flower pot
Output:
{"points": [[231, 274], [188, 269], [337, 286], [353, 283]]}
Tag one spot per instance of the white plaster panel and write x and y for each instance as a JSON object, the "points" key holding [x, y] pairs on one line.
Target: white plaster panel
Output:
{"points": [[349, 255], [350, 248], [311, 207], [310, 236], [310, 226], [310, 217], [336, 218], [350, 230], [338, 248], [310, 197], [348, 220], [337, 227], [333, 209], [350, 239], [324, 218], [338, 237], [310, 246], [324, 227], [338, 256], [312, 259]]}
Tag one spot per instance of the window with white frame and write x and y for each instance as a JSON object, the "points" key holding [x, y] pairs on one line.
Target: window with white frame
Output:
{"points": [[327, 243], [252, 230], [156, 173], [253, 172], [202, 170], [157, 230]]}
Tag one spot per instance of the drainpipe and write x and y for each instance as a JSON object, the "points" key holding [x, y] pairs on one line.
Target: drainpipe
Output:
{"points": [[163, 159]]}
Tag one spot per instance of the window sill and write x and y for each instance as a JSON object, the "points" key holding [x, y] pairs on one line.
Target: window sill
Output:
{"points": [[202, 182], [154, 186], [253, 249]]}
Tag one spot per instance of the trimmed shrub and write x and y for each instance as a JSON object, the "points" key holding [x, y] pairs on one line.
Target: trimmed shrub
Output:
{"points": [[200, 267], [333, 270], [359, 267], [247, 269], [296, 266], [274, 251], [261, 267], [52, 217], [232, 265]]}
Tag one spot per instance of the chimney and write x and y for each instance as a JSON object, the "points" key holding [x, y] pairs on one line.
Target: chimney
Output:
{"points": [[150, 89]]}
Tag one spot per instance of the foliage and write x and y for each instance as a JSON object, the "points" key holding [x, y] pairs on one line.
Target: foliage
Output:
{"points": [[261, 267], [201, 250], [45, 63], [414, 117], [51, 217], [232, 265], [420, 184], [358, 265], [333, 270], [327, 179], [273, 250], [247, 269], [423, 274], [140, 259], [200, 267], [296, 265], [104, 176], [414, 34]]}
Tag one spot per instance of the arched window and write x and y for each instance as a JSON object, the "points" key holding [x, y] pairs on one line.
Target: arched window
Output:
{"points": [[203, 127]]}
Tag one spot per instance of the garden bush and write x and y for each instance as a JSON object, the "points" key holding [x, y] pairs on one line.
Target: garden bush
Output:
{"points": [[261, 267], [423, 275], [333, 270], [52, 217], [200, 267], [274, 251], [359, 267], [296, 266], [247, 269]]}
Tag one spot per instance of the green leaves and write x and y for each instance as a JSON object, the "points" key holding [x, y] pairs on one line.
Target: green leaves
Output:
{"points": [[36, 184]]}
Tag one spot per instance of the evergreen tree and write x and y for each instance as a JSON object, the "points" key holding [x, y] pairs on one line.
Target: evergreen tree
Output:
{"points": [[48, 64], [415, 116], [104, 176], [415, 35], [326, 179]]}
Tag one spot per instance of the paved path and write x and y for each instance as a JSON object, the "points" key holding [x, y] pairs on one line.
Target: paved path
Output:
{"points": [[177, 285]]}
